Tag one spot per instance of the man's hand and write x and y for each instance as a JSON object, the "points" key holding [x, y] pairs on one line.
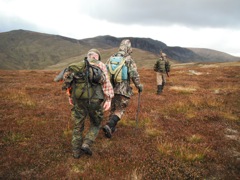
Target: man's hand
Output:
{"points": [[70, 100], [140, 88], [107, 105]]}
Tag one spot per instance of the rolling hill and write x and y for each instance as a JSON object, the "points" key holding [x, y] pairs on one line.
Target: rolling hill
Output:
{"points": [[22, 49]]}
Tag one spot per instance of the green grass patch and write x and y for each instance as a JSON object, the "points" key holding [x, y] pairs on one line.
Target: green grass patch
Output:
{"points": [[195, 138], [152, 132], [230, 116], [21, 98], [12, 137], [132, 123], [181, 151]]}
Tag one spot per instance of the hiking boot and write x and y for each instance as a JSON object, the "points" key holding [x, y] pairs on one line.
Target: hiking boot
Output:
{"points": [[107, 130], [159, 89], [163, 84], [77, 154], [86, 149]]}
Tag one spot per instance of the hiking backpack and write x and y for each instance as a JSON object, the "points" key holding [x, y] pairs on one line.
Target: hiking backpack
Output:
{"points": [[84, 76], [118, 71]]}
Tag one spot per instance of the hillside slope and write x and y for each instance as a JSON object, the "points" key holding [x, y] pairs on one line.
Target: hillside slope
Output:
{"points": [[31, 50], [214, 56], [21, 49]]}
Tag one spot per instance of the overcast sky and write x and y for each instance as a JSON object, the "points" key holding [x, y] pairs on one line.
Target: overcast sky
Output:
{"points": [[213, 24]]}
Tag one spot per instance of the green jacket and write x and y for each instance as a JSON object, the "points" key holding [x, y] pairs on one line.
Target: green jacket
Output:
{"points": [[162, 65]]}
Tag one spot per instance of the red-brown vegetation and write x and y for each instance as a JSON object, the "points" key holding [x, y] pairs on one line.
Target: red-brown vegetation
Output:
{"points": [[191, 131]]}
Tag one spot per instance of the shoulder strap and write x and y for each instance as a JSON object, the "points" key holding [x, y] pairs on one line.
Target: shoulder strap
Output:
{"points": [[87, 79]]}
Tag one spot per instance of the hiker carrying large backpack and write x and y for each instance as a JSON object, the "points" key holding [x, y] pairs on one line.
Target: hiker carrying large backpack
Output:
{"points": [[122, 69], [90, 92]]}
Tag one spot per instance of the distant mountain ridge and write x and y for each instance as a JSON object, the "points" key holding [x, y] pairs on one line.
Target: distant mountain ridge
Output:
{"points": [[22, 49], [146, 44]]}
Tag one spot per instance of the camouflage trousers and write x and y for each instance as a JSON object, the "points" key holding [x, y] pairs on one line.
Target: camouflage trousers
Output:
{"points": [[161, 78], [118, 105], [79, 113]]}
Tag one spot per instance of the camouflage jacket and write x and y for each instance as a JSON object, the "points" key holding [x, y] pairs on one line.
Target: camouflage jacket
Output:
{"points": [[124, 88], [162, 65]]}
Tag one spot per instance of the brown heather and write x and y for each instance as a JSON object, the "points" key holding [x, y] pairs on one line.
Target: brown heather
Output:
{"points": [[191, 131]]}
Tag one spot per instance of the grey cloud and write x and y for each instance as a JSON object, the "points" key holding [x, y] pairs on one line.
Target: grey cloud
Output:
{"points": [[194, 13], [12, 23]]}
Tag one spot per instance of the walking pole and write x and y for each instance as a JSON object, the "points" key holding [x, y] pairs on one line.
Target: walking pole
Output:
{"points": [[138, 109]]}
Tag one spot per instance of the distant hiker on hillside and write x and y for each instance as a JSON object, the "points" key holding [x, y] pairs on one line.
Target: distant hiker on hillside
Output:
{"points": [[161, 67], [90, 93], [122, 69]]}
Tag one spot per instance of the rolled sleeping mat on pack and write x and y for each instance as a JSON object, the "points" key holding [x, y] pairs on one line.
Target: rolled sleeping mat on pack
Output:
{"points": [[59, 77]]}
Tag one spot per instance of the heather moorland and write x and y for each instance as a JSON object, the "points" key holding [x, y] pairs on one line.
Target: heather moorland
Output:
{"points": [[191, 131]]}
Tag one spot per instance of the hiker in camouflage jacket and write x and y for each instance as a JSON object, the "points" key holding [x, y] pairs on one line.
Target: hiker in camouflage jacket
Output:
{"points": [[161, 67], [122, 90]]}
